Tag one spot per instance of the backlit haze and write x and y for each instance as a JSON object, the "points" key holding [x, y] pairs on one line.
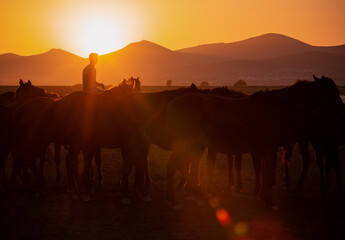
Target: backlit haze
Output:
{"points": [[82, 26]]}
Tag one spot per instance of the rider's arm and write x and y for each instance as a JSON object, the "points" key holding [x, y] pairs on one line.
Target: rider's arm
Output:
{"points": [[100, 85]]}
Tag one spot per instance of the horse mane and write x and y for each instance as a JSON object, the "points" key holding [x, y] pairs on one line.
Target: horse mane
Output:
{"points": [[301, 88]]}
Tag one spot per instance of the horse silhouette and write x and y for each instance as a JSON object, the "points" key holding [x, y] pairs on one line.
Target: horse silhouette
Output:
{"points": [[24, 93], [258, 124]]}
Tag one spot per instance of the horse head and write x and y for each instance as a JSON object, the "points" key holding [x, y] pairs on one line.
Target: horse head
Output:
{"points": [[328, 94], [137, 84], [27, 91]]}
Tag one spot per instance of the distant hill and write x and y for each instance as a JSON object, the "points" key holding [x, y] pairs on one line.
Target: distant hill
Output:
{"points": [[271, 59], [264, 46], [55, 67]]}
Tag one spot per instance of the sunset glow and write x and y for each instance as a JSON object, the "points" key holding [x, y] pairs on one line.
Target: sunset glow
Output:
{"points": [[80, 26], [99, 34]]}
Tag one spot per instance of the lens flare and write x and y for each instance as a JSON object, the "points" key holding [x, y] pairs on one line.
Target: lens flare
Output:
{"points": [[241, 228], [223, 217]]}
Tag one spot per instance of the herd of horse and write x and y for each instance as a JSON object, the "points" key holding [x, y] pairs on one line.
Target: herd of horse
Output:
{"points": [[185, 121]]}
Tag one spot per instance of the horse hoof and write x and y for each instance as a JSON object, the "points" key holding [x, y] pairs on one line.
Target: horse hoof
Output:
{"points": [[85, 198], [126, 201], [147, 198], [178, 207], [75, 197], [275, 208], [42, 192]]}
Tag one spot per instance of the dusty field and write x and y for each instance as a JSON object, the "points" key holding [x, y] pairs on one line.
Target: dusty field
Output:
{"points": [[57, 216]]}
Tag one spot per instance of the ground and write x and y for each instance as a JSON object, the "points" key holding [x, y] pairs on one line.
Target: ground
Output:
{"points": [[240, 216]]}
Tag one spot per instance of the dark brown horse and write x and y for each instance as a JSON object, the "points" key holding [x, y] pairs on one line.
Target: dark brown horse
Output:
{"points": [[140, 108], [31, 135], [257, 124], [322, 150], [212, 153], [24, 93]]}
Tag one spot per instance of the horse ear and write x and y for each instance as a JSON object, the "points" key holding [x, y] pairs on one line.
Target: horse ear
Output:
{"points": [[29, 82], [193, 87], [21, 83], [316, 78]]}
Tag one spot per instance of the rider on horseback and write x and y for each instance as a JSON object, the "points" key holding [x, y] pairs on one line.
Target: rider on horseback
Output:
{"points": [[89, 76]]}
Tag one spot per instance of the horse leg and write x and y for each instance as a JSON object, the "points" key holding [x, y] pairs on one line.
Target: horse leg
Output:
{"points": [[194, 168], [336, 163], [238, 166], [57, 148], [72, 168], [328, 167], [41, 167], [332, 159], [3, 159], [337, 169], [37, 172], [288, 149], [268, 174], [303, 147], [16, 168], [78, 186], [257, 165], [126, 171], [139, 156], [69, 171], [192, 157], [171, 169], [320, 154], [25, 181], [139, 175], [211, 160], [86, 183], [98, 164], [148, 180], [230, 173]]}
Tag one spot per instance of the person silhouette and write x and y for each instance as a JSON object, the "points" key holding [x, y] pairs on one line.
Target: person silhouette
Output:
{"points": [[89, 76]]}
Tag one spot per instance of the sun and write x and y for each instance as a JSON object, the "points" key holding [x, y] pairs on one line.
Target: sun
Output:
{"points": [[100, 35]]}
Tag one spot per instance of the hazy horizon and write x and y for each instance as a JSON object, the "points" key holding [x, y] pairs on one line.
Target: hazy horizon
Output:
{"points": [[173, 49], [80, 27]]}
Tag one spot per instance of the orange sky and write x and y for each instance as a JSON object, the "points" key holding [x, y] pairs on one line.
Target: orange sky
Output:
{"points": [[34, 26]]}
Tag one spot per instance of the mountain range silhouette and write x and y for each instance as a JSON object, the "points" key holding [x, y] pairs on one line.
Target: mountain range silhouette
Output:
{"points": [[269, 59]]}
